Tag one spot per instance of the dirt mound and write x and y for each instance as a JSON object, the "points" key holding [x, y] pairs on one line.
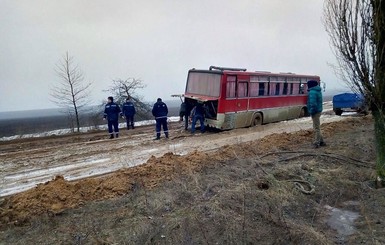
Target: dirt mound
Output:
{"points": [[59, 194]]}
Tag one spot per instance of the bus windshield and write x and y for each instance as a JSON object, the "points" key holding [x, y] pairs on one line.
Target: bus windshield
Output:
{"points": [[207, 84]]}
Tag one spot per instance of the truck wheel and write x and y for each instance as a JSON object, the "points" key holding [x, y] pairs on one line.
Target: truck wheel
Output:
{"points": [[257, 119], [338, 111]]}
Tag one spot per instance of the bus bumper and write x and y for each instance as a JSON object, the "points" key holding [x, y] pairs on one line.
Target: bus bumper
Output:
{"points": [[216, 123]]}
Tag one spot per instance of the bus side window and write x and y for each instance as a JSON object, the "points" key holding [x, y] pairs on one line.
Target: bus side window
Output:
{"points": [[277, 87], [261, 90], [304, 88], [301, 88], [285, 85], [296, 88], [271, 88], [230, 89], [242, 89], [291, 88], [253, 89]]}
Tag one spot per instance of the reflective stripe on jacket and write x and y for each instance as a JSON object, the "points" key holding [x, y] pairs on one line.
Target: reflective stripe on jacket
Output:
{"points": [[112, 111]]}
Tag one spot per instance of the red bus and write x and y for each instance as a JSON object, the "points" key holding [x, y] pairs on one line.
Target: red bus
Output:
{"points": [[236, 98]]}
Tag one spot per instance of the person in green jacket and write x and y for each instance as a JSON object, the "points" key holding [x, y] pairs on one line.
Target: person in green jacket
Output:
{"points": [[314, 107]]}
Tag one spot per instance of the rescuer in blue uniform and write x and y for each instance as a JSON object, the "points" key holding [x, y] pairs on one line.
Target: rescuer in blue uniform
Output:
{"points": [[160, 111], [129, 112], [198, 113], [111, 113], [314, 107]]}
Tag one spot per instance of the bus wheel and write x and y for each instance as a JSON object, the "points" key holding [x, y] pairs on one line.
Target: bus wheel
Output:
{"points": [[303, 112], [257, 119]]}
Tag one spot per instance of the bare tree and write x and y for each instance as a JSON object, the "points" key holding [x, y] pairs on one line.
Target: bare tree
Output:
{"points": [[121, 89], [356, 31], [71, 93]]}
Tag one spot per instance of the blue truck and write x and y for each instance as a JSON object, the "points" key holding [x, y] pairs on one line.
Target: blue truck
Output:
{"points": [[349, 102]]}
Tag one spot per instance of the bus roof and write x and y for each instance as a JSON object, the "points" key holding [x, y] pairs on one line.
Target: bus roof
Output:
{"points": [[253, 73]]}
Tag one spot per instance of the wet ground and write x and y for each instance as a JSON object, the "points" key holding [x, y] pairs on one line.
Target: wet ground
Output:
{"points": [[271, 190], [28, 162]]}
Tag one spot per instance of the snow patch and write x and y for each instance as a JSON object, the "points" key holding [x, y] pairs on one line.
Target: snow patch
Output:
{"points": [[82, 130], [342, 220]]}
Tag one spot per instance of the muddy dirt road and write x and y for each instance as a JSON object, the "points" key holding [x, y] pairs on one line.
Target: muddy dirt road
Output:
{"points": [[274, 190], [28, 162]]}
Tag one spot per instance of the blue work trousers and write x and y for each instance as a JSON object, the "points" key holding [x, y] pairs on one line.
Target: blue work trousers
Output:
{"points": [[114, 124], [201, 121], [130, 121], [161, 122]]}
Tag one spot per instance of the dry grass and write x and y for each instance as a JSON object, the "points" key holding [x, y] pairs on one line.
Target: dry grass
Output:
{"points": [[243, 199]]}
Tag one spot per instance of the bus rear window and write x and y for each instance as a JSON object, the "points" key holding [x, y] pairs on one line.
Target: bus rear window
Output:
{"points": [[207, 84]]}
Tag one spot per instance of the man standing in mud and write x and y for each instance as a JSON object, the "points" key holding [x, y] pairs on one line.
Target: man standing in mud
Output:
{"points": [[129, 112], [189, 106], [314, 106], [160, 111], [111, 113], [198, 113], [182, 111]]}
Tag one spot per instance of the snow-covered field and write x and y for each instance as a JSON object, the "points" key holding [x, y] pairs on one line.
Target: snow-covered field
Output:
{"points": [[82, 129]]}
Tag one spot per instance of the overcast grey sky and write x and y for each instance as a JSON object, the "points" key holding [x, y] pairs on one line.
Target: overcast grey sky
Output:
{"points": [[157, 41]]}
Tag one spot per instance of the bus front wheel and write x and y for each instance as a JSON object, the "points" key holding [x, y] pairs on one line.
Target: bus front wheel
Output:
{"points": [[257, 119]]}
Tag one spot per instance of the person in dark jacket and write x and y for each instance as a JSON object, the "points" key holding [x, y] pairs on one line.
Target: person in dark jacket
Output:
{"points": [[189, 107], [182, 111], [160, 111], [198, 113], [314, 107], [111, 113], [129, 112]]}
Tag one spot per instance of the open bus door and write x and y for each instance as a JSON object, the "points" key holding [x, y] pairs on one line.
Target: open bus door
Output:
{"points": [[180, 96], [210, 105]]}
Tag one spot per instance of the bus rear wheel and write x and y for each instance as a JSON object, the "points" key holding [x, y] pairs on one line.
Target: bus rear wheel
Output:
{"points": [[303, 112], [257, 119]]}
